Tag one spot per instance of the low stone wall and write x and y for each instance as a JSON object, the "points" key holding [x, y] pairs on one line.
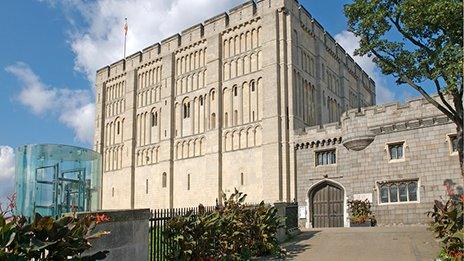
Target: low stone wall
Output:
{"points": [[128, 238]]}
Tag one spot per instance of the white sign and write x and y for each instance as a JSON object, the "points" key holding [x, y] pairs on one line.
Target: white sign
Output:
{"points": [[302, 211], [363, 197]]}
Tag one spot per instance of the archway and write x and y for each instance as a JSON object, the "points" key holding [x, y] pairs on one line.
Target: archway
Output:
{"points": [[326, 205]]}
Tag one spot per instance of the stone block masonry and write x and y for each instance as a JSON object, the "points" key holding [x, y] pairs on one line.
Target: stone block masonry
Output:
{"points": [[215, 107]]}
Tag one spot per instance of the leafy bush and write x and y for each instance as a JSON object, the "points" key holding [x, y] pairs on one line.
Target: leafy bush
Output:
{"points": [[233, 232], [47, 238], [360, 211], [447, 224]]}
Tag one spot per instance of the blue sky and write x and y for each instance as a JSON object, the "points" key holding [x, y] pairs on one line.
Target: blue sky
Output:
{"points": [[50, 50]]}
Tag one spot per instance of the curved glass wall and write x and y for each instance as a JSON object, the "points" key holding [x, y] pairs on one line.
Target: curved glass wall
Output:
{"points": [[55, 179]]}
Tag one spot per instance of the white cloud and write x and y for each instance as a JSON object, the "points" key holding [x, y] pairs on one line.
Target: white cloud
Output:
{"points": [[7, 169], [74, 108], [99, 41], [35, 95], [350, 43]]}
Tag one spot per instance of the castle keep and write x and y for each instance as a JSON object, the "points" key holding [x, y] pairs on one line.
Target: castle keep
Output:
{"points": [[229, 103]]}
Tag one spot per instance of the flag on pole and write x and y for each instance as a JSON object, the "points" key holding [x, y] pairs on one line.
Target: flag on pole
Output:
{"points": [[126, 27]]}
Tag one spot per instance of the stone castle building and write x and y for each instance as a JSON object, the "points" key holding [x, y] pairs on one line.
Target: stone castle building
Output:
{"points": [[399, 157], [229, 103]]}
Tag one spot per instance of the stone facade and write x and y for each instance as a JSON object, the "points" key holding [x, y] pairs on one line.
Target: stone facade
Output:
{"points": [[362, 143], [215, 107]]}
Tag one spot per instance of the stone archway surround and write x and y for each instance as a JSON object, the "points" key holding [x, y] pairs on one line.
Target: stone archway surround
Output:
{"points": [[346, 222]]}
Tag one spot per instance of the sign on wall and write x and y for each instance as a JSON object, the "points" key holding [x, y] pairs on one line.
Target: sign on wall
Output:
{"points": [[363, 197], [302, 210]]}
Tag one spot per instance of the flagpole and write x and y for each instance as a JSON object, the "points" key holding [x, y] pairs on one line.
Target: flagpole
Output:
{"points": [[125, 38]]}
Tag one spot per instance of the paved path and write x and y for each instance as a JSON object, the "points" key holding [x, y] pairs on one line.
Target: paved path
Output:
{"points": [[359, 244]]}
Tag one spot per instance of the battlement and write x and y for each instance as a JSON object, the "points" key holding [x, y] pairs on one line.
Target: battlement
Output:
{"points": [[195, 33], [417, 107], [328, 128], [332, 47], [235, 16], [373, 120]]}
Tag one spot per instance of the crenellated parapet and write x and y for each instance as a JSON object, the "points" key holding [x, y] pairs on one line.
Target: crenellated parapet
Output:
{"points": [[318, 136], [315, 29], [249, 10], [360, 127]]}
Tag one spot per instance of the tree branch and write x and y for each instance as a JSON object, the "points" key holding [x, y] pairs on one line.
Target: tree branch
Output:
{"points": [[407, 80], [442, 97], [396, 23]]}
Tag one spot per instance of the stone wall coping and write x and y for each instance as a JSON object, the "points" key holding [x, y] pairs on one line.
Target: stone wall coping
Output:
{"points": [[122, 215]]}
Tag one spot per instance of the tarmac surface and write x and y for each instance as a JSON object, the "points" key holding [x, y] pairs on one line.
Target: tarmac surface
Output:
{"points": [[359, 244]]}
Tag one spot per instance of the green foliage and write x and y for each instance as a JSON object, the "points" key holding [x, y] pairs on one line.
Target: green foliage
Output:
{"points": [[360, 211], [420, 39], [47, 238], [447, 224], [420, 43], [233, 232]]}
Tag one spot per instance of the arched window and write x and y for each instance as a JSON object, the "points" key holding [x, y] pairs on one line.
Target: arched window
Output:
{"points": [[118, 128], [226, 120], [164, 180], [252, 86], [187, 110], [212, 95], [153, 119], [156, 119], [146, 186], [235, 90], [241, 179], [213, 120], [188, 181], [235, 117], [201, 100]]}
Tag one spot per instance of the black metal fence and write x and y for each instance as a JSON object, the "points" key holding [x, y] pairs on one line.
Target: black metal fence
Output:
{"points": [[159, 244]]}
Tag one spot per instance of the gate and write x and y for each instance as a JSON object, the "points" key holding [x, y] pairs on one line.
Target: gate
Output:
{"points": [[327, 205]]}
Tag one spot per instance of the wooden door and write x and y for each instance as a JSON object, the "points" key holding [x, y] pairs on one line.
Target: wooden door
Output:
{"points": [[327, 206]]}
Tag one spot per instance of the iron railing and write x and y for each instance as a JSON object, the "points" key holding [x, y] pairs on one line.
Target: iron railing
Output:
{"points": [[160, 245]]}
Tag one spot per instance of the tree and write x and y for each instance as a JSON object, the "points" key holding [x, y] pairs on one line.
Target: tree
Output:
{"points": [[420, 43]]}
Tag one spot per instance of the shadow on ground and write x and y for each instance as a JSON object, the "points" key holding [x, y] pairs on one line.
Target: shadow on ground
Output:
{"points": [[299, 244]]}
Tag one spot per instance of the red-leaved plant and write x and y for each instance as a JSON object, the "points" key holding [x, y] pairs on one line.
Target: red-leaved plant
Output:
{"points": [[447, 223], [47, 238]]}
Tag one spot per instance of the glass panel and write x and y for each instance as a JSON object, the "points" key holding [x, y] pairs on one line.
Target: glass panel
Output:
{"points": [[334, 157], [412, 190], [384, 194], [403, 192], [324, 157], [399, 149], [53, 179], [393, 193], [393, 152], [46, 174], [454, 143]]}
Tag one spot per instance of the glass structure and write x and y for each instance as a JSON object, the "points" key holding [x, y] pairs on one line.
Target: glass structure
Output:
{"points": [[55, 179]]}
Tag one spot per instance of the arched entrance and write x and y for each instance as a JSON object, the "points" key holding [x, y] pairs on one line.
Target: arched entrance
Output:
{"points": [[326, 202]]}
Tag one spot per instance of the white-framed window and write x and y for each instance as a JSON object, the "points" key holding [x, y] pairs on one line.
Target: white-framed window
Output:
{"points": [[402, 191], [326, 157], [396, 151], [453, 143]]}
